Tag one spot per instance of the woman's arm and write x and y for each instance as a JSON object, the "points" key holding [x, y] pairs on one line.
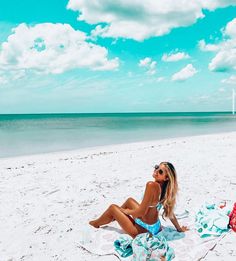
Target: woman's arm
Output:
{"points": [[146, 202], [176, 224]]}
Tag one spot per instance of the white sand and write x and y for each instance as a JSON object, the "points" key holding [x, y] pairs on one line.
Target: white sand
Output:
{"points": [[47, 200]]}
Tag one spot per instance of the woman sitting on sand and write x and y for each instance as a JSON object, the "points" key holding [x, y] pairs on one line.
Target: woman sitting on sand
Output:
{"points": [[158, 193]]}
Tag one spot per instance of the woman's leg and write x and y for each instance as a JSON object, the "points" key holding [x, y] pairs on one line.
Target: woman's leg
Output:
{"points": [[130, 203], [125, 221]]}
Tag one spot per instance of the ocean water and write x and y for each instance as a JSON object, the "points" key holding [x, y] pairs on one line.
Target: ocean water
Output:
{"points": [[24, 134]]}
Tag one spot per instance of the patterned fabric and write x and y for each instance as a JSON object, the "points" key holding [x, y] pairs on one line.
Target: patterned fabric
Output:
{"points": [[147, 247], [211, 220], [123, 246], [153, 228]]}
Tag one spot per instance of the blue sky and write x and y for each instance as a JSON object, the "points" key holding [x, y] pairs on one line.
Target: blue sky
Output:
{"points": [[117, 56]]}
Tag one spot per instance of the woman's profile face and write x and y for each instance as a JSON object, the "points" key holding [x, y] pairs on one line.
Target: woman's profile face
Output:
{"points": [[160, 173]]}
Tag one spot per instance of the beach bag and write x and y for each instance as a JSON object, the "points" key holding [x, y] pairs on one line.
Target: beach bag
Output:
{"points": [[232, 218]]}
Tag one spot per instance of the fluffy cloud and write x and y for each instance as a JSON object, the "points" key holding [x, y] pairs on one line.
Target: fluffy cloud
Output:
{"points": [[149, 64], [225, 58], [185, 73], [207, 47], [52, 48], [213, 4], [138, 19], [230, 29], [174, 57], [230, 80]]}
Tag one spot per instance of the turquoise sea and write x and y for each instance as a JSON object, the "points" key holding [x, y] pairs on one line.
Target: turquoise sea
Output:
{"points": [[23, 134]]}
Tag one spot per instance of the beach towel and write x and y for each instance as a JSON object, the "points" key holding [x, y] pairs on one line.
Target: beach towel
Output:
{"points": [[211, 220], [187, 246], [148, 247], [100, 242], [123, 245]]}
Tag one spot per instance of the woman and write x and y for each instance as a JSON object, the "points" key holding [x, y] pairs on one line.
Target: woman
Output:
{"points": [[160, 192]]}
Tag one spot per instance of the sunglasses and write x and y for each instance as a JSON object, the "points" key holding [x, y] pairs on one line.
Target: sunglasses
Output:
{"points": [[160, 171]]}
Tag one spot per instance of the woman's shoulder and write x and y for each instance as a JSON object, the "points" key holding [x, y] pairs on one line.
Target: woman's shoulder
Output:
{"points": [[153, 184]]}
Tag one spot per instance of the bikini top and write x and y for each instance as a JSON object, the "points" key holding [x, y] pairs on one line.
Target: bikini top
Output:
{"points": [[158, 206]]}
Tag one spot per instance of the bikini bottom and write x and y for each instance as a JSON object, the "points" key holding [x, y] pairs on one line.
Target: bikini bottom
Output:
{"points": [[153, 228]]}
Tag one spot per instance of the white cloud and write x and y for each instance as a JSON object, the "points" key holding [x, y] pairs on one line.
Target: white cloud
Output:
{"points": [[230, 80], [139, 19], [225, 58], [52, 48], [174, 57], [145, 62], [185, 73], [7, 76], [160, 79], [149, 64], [207, 47], [230, 28], [213, 4]]}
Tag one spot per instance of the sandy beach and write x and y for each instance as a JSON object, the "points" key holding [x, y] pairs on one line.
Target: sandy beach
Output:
{"points": [[47, 200]]}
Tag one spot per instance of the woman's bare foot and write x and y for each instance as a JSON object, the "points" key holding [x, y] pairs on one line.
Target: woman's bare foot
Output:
{"points": [[93, 223], [163, 258]]}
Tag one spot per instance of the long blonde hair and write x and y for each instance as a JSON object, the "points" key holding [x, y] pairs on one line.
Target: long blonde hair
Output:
{"points": [[169, 191]]}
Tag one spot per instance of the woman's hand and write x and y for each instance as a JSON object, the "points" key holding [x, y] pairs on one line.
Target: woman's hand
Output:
{"points": [[175, 222], [183, 229]]}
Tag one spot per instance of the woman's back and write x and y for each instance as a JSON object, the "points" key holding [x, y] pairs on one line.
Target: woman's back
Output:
{"points": [[151, 214]]}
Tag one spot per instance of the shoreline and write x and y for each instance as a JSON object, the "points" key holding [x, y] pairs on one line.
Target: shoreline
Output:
{"points": [[110, 146]]}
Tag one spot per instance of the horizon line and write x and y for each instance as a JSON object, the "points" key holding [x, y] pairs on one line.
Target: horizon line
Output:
{"points": [[141, 112]]}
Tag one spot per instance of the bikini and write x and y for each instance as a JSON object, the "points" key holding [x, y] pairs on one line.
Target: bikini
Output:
{"points": [[153, 228]]}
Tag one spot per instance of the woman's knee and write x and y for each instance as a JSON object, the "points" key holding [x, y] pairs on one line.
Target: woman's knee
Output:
{"points": [[130, 199], [112, 207]]}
